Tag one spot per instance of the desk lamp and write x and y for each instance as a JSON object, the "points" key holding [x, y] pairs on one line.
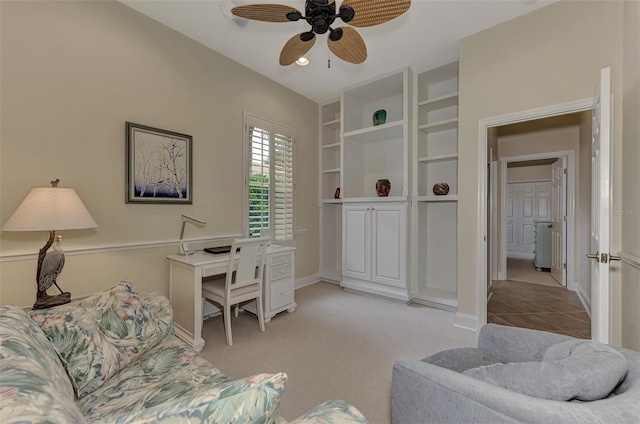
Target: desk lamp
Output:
{"points": [[50, 209], [183, 248]]}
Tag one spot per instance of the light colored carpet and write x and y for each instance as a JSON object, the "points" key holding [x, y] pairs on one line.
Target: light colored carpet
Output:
{"points": [[336, 345], [524, 271]]}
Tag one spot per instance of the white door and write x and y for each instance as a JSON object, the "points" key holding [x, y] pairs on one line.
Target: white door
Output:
{"points": [[600, 203], [356, 242], [493, 224], [389, 245], [511, 212], [526, 216], [558, 223]]}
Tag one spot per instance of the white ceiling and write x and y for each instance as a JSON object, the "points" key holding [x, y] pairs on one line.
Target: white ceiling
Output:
{"points": [[428, 34]]}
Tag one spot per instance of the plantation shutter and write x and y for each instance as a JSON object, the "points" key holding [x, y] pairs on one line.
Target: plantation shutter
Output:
{"points": [[283, 183], [259, 175], [270, 178]]}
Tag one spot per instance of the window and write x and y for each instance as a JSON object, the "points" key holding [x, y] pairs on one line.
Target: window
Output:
{"points": [[269, 179]]}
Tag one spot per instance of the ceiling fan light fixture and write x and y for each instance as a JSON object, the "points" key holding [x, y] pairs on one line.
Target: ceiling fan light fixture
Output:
{"points": [[345, 42], [346, 13], [294, 16], [336, 34], [307, 36], [303, 61]]}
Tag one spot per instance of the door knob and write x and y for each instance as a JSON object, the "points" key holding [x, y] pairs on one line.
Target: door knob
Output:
{"points": [[614, 258], [595, 256]]}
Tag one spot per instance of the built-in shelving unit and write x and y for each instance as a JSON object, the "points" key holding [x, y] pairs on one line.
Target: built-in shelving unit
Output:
{"points": [[372, 152], [403, 246], [375, 229], [434, 218], [330, 180]]}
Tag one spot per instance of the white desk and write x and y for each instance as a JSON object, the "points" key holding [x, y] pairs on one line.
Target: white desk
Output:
{"points": [[185, 288]]}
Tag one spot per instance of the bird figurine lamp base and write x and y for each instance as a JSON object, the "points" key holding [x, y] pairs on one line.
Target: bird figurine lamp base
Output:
{"points": [[49, 267], [52, 301]]}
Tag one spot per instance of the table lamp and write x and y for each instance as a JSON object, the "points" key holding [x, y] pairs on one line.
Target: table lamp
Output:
{"points": [[183, 247], [50, 209]]}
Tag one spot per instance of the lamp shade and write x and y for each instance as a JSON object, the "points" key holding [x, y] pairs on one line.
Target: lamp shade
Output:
{"points": [[50, 209]]}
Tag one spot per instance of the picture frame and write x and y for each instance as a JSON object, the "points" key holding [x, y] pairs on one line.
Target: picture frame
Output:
{"points": [[158, 166]]}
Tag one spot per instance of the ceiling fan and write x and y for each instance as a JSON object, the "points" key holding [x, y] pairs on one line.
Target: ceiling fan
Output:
{"points": [[344, 42]]}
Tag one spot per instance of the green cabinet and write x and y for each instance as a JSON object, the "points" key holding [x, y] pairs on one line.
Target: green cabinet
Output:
{"points": [[542, 252]]}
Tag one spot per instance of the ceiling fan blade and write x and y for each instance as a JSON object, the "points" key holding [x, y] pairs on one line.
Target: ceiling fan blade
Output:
{"points": [[296, 48], [375, 12], [350, 47], [265, 12]]}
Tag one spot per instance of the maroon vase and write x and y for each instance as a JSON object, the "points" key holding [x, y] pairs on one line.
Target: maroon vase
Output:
{"points": [[441, 189], [383, 187]]}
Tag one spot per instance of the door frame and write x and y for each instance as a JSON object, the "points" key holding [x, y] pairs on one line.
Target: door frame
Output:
{"points": [[483, 126], [569, 198]]}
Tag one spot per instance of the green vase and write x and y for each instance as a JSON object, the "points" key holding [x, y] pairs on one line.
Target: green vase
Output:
{"points": [[379, 117]]}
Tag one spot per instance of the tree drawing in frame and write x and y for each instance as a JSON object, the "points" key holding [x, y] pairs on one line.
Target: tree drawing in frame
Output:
{"points": [[158, 166]]}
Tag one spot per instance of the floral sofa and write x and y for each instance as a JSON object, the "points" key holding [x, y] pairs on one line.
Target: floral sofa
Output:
{"points": [[113, 358]]}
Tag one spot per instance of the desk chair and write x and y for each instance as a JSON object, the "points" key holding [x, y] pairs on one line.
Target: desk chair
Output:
{"points": [[243, 284]]}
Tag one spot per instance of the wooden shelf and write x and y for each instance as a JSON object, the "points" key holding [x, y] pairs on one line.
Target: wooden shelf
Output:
{"points": [[335, 124], [439, 158], [384, 132], [448, 124], [331, 201], [374, 199], [331, 146], [441, 102]]}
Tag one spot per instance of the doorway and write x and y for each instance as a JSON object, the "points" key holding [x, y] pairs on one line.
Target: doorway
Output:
{"points": [[535, 230]]}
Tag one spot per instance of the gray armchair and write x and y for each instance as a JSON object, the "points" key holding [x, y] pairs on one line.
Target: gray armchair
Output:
{"points": [[435, 390]]}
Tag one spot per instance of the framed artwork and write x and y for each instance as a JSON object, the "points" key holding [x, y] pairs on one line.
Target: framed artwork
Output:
{"points": [[158, 166]]}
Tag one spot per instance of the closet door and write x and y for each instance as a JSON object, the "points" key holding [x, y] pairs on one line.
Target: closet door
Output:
{"points": [[526, 216], [543, 201]]}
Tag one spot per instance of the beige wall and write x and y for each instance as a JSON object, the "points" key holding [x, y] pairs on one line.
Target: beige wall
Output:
{"points": [[72, 74], [550, 56], [631, 176], [529, 173]]}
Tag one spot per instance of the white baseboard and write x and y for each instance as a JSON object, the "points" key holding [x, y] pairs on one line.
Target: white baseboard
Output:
{"points": [[468, 322], [306, 281], [584, 299]]}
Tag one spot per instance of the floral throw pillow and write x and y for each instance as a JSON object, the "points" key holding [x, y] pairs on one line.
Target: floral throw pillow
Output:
{"points": [[99, 335]]}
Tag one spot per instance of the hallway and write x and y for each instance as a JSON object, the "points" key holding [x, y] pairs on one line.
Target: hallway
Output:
{"points": [[538, 302]]}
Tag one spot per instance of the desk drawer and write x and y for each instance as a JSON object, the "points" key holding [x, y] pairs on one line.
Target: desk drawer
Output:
{"points": [[281, 294], [281, 272], [208, 271], [283, 258]]}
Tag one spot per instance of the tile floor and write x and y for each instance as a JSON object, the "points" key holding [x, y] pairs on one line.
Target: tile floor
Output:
{"points": [[540, 307]]}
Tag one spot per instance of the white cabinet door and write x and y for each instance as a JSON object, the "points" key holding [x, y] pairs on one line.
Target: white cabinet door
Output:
{"points": [[389, 245], [356, 230]]}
